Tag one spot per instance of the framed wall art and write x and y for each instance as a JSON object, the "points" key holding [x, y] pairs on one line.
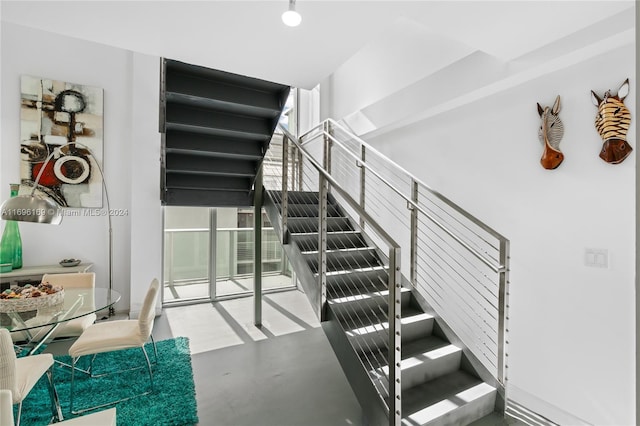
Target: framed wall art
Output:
{"points": [[66, 120]]}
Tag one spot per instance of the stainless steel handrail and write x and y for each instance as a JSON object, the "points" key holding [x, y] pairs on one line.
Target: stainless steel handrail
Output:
{"points": [[343, 193], [412, 204], [450, 203], [465, 296], [464, 230]]}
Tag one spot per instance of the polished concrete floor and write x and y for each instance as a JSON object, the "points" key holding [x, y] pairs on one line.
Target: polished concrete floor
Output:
{"points": [[283, 373]]}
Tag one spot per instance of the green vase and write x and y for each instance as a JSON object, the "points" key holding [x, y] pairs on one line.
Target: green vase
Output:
{"points": [[11, 243]]}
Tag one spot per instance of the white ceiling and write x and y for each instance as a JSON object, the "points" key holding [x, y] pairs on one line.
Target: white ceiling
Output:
{"points": [[248, 37]]}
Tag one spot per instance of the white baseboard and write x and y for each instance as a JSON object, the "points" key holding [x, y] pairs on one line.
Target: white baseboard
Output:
{"points": [[543, 408]]}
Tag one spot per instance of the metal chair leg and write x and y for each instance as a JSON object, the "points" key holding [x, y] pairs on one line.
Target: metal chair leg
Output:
{"points": [[73, 375], [55, 401], [84, 410], [144, 351], [155, 348], [19, 413]]}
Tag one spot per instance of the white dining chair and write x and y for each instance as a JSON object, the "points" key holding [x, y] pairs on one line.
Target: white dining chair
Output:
{"points": [[109, 336], [101, 418], [19, 375], [74, 327]]}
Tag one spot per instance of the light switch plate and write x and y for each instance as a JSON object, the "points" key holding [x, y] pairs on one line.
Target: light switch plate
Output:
{"points": [[596, 258]]}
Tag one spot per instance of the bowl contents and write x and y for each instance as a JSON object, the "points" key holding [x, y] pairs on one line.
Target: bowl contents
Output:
{"points": [[30, 291], [69, 262]]}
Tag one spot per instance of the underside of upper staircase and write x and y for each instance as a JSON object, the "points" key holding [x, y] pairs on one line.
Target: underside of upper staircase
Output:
{"points": [[216, 129]]}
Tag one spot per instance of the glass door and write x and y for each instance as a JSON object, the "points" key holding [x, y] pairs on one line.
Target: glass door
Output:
{"points": [[198, 267], [187, 251]]}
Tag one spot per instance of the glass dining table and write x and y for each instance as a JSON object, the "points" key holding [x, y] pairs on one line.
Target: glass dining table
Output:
{"points": [[34, 329]]}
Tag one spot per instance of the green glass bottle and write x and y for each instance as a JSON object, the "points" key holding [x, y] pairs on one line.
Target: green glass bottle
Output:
{"points": [[11, 243]]}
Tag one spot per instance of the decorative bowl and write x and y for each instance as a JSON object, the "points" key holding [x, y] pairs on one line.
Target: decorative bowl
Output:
{"points": [[31, 303], [6, 267], [69, 262]]}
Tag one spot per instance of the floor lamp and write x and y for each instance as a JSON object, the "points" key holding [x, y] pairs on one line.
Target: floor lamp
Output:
{"points": [[39, 209]]}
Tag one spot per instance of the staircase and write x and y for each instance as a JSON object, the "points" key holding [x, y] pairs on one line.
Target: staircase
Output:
{"points": [[216, 129], [439, 384]]}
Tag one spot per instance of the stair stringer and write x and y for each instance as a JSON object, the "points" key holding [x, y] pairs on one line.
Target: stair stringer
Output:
{"points": [[374, 411], [296, 259]]}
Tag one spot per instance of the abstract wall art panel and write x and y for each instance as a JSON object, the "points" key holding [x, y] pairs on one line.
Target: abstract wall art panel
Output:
{"points": [[66, 120]]}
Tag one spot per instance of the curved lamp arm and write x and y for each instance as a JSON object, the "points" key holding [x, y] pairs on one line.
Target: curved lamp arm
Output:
{"points": [[34, 208]]}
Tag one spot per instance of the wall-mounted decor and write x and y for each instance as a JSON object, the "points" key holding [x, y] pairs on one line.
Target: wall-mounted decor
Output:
{"points": [[612, 123], [55, 113], [550, 134]]}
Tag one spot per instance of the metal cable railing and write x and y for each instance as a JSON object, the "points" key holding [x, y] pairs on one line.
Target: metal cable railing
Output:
{"points": [[458, 264]]}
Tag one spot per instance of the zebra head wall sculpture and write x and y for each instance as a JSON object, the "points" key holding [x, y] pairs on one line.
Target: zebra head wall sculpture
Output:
{"points": [[550, 133], [612, 122]]}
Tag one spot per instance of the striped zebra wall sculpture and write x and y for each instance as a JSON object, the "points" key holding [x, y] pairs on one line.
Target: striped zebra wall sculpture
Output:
{"points": [[612, 123], [550, 133]]}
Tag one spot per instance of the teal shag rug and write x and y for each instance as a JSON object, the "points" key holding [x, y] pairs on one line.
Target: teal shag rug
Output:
{"points": [[172, 403]]}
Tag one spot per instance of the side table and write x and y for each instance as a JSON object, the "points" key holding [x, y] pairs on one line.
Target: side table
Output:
{"points": [[33, 274]]}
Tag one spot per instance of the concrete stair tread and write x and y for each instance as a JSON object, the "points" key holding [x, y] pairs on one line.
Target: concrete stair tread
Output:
{"points": [[415, 348], [423, 360], [432, 401], [378, 318], [337, 295]]}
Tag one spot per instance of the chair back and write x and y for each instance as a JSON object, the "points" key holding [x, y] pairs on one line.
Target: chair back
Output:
{"points": [[148, 311], [75, 280], [72, 280], [6, 408], [7, 361]]}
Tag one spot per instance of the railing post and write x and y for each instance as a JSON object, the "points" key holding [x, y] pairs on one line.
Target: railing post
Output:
{"points": [[257, 249], [395, 338], [363, 172], [285, 188], [233, 253], [213, 253], [170, 260], [503, 307], [327, 147], [323, 196], [413, 272], [300, 175]]}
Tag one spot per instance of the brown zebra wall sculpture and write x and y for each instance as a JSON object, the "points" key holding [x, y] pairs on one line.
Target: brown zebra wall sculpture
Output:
{"points": [[612, 123], [550, 133]]}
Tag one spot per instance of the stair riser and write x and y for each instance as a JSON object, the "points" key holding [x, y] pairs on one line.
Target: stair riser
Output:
{"points": [[296, 197], [301, 225], [309, 242], [345, 260], [358, 306], [428, 369], [466, 413], [377, 278], [311, 210], [379, 337]]}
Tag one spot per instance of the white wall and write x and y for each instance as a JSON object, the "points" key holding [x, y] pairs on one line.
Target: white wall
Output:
{"points": [[146, 211], [131, 149], [571, 327]]}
